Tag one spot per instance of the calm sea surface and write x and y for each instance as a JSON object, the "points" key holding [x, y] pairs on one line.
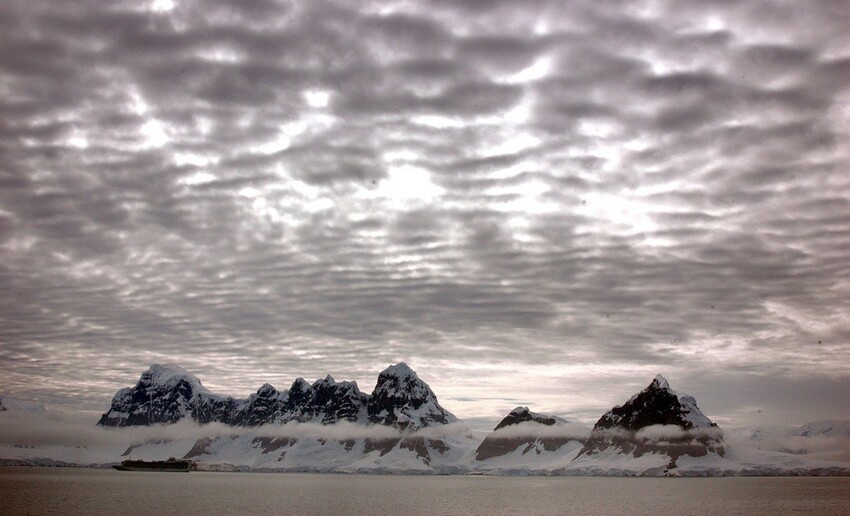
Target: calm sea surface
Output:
{"points": [[83, 491]]}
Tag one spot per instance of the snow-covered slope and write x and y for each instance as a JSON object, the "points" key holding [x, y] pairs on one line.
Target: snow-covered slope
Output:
{"points": [[339, 448], [825, 428]]}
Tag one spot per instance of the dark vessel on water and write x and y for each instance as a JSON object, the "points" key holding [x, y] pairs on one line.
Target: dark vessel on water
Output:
{"points": [[171, 464]]}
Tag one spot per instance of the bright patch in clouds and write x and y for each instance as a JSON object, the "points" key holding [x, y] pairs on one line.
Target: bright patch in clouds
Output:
{"points": [[160, 6], [154, 134], [198, 178], [535, 72], [407, 184], [317, 98]]}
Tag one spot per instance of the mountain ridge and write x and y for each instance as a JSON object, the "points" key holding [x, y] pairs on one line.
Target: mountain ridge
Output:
{"points": [[167, 393]]}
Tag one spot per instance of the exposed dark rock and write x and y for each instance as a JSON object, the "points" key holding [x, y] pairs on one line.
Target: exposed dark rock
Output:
{"points": [[271, 444], [656, 405], [167, 394], [523, 414], [201, 447], [402, 400]]}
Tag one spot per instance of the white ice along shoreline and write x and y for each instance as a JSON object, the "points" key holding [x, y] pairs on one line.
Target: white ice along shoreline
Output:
{"points": [[401, 428]]}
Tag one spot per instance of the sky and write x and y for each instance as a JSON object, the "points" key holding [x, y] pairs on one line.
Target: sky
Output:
{"points": [[543, 203]]}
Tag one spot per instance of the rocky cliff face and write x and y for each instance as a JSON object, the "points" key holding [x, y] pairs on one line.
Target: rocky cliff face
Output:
{"points": [[655, 420], [168, 393], [402, 400]]}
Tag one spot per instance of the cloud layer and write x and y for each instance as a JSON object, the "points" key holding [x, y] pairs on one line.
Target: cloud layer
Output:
{"points": [[507, 197]]}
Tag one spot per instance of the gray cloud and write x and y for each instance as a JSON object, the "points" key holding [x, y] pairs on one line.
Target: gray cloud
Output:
{"points": [[289, 189]]}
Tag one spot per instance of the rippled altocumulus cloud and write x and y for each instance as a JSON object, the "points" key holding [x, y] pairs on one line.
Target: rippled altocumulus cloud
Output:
{"points": [[542, 204]]}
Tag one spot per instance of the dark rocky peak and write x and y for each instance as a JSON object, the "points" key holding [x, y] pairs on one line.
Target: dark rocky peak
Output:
{"points": [[657, 404], [263, 407], [163, 394], [168, 393], [337, 401], [627, 428], [403, 400], [267, 391], [523, 414], [300, 390], [401, 382]]}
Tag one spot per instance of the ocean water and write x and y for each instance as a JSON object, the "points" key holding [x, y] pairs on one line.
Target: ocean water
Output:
{"points": [[89, 491]]}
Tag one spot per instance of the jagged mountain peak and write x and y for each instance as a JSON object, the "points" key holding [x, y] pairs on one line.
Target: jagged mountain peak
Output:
{"points": [[660, 382], [327, 380], [267, 391], [299, 385], [168, 393], [403, 400]]}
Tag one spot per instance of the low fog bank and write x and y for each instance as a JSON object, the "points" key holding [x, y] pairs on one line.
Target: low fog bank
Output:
{"points": [[43, 429], [59, 429], [828, 448], [530, 429], [657, 434]]}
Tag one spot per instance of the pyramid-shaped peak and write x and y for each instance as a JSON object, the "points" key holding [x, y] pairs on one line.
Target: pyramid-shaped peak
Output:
{"points": [[402, 399], [660, 382], [299, 387], [400, 370], [266, 390]]}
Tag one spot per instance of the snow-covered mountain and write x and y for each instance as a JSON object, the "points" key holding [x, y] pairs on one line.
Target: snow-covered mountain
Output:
{"points": [[526, 442], [330, 426], [169, 393], [655, 421], [524, 431], [402, 400]]}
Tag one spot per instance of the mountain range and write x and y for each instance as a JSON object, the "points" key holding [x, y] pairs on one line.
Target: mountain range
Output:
{"points": [[169, 393], [400, 427]]}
